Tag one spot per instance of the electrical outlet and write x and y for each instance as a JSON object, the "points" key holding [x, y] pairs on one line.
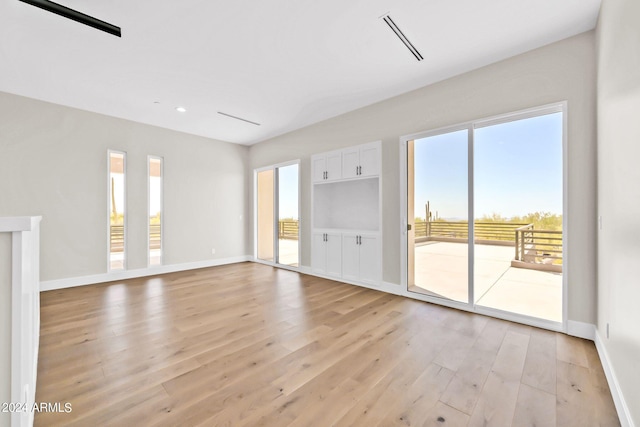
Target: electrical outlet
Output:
{"points": [[213, 251], [607, 330]]}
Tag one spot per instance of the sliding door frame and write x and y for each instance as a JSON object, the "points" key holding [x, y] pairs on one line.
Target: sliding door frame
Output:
{"points": [[276, 214], [470, 126]]}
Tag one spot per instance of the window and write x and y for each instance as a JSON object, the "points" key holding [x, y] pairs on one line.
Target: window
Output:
{"points": [[117, 208], [155, 211]]}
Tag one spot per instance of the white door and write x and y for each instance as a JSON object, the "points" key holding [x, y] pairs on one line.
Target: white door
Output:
{"points": [[369, 265], [318, 253], [350, 257], [350, 162], [333, 247], [370, 160]]}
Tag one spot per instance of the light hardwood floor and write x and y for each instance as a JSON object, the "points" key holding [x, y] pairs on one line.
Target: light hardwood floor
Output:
{"points": [[248, 345]]}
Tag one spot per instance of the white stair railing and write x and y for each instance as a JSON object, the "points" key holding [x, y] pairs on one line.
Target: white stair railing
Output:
{"points": [[25, 314]]}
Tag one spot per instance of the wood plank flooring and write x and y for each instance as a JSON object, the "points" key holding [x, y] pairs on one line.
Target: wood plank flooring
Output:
{"points": [[251, 345]]}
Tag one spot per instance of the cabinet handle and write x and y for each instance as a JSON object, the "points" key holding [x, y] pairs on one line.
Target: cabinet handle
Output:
{"points": [[360, 170], [356, 170]]}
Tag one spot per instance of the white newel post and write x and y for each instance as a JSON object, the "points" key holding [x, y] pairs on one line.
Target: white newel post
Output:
{"points": [[25, 312]]}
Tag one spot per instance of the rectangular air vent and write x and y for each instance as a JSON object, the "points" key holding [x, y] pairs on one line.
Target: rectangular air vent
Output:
{"points": [[398, 32], [80, 17]]}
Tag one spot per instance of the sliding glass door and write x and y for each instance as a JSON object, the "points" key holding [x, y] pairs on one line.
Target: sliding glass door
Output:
{"points": [[277, 214], [439, 247], [518, 215], [507, 174]]}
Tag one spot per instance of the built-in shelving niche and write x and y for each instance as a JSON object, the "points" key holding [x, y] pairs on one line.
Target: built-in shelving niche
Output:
{"points": [[348, 205]]}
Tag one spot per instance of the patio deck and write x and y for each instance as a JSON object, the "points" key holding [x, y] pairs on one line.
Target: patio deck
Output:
{"points": [[441, 270]]}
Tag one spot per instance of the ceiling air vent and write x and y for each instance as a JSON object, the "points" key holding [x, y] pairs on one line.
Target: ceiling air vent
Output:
{"points": [[398, 32], [80, 17], [238, 118]]}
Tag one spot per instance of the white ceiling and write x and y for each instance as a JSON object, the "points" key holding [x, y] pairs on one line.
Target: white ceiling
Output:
{"points": [[282, 63]]}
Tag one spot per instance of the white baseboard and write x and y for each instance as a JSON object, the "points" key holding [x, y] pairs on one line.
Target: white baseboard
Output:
{"points": [[581, 330], [50, 285], [618, 398]]}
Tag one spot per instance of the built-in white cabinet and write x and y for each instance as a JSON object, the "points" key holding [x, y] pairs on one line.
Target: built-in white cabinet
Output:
{"points": [[361, 258], [361, 161], [346, 209], [327, 166], [326, 253]]}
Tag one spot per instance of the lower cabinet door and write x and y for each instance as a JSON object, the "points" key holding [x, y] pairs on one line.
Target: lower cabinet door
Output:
{"points": [[369, 262], [334, 254], [318, 254], [350, 257]]}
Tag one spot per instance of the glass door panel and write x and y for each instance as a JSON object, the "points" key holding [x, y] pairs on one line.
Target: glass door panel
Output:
{"points": [[518, 216], [288, 232], [438, 239]]}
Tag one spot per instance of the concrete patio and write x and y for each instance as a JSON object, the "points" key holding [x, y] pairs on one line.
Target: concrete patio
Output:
{"points": [[441, 270]]}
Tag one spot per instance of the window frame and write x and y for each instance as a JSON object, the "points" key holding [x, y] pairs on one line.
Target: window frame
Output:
{"points": [[472, 125], [161, 159], [125, 216]]}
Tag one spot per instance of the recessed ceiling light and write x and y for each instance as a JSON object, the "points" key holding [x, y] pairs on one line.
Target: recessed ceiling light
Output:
{"points": [[181, 109]]}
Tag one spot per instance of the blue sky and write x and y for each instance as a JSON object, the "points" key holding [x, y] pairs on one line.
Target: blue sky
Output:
{"points": [[517, 170]]}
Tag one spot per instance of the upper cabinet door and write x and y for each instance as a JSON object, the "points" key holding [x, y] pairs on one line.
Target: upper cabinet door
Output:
{"points": [[369, 160], [350, 162], [334, 166], [319, 168]]}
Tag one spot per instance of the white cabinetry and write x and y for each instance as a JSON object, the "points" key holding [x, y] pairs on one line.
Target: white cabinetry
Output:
{"points": [[327, 166], [346, 238], [326, 253], [361, 161], [361, 258]]}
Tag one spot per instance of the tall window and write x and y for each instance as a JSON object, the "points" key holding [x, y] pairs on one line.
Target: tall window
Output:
{"points": [[155, 211], [117, 209]]}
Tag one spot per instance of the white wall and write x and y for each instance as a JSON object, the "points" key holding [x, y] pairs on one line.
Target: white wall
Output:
{"points": [[619, 193], [561, 71], [53, 162]]}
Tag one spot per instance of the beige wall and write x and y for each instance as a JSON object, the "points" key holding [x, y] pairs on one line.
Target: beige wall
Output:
{"points": [[53, 162], [560, 71], [619, 192], [265, 181]]}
